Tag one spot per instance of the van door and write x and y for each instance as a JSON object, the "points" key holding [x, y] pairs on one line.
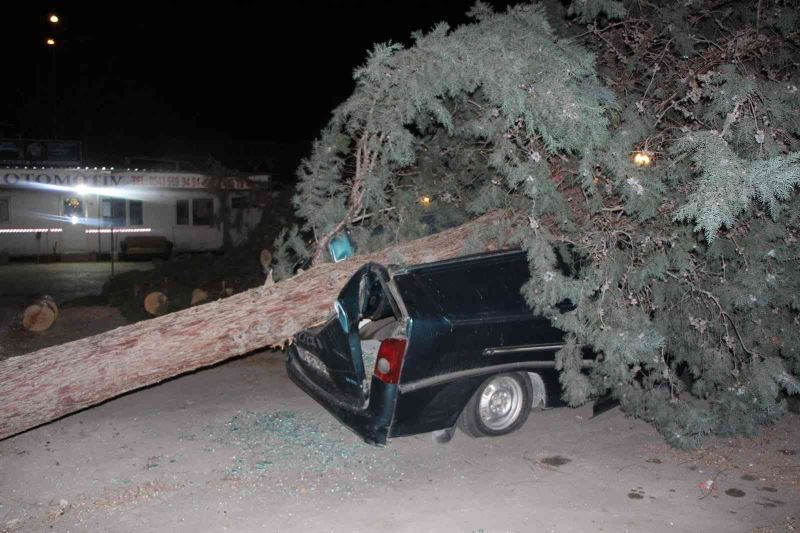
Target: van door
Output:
{"points": [[333, 350]]}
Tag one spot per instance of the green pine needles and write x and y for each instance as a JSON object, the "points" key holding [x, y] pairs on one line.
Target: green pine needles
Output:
{"points": [[424, 121], [726, 183], [670, 186]]}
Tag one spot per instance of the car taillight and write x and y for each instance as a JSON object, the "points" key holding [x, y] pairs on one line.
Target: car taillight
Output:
{"points": [[389, 360]]}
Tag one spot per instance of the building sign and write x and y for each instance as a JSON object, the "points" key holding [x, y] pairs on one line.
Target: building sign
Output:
{"points": [[39, 152], [150, 180]]}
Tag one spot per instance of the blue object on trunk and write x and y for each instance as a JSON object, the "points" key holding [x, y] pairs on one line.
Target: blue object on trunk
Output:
{"points": [[340, 247]]}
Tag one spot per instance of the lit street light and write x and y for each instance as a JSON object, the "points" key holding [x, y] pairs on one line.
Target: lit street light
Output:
{"points": [[54, 19], [50, 41]]}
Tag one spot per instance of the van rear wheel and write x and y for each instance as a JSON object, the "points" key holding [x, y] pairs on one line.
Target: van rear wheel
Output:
{"points": [[500, 405]]}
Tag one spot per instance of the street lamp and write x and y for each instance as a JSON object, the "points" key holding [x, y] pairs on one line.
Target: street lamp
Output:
{"points": [[50, 41], [54, 18]]}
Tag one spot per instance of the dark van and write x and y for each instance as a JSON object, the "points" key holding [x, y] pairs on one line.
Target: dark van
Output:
{"points": [[428, 347]]}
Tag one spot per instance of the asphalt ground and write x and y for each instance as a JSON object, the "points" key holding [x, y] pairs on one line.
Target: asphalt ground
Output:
{"points": [[62, 281], [239, 448]]}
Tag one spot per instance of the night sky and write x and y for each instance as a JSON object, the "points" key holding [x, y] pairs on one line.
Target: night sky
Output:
{"points": [[150, 78]]}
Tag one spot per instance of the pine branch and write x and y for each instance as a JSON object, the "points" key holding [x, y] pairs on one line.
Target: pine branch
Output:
{"points": [[724, 314]]}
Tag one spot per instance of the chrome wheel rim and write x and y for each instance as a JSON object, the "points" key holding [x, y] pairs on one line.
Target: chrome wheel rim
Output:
{"points": [[501, 403]]}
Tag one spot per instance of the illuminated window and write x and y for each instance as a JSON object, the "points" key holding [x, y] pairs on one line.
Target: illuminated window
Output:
{"points": [[4, 215], [73, 207], [182, 212], [113, 210], [135, 213], [202, 212]]}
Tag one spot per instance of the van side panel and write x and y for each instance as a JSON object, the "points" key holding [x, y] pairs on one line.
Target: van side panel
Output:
{"points": [[432, 408], [459, 310]]}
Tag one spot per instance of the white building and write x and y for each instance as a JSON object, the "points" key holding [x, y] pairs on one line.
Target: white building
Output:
{"points": [[73, 212]]}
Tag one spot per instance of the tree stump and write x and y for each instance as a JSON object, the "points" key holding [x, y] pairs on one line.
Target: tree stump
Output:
{"points": [[40, 316], [156, 303], [199, 296]]}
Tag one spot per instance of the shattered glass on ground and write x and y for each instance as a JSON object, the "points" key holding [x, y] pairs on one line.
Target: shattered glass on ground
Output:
{"points": [[277, 441]]}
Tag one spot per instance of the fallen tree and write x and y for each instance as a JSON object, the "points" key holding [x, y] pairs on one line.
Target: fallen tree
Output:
{"points": [[658, 155], [45, 385]]}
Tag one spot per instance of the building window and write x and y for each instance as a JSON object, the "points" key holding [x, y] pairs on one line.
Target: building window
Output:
{"points": [[240, 202], [73, 209], [183, 212], [202, 212], [4, 214], [135, 212], [113, 211]]}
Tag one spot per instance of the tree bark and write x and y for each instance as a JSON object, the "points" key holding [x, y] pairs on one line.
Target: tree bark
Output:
{"points": [[41, 386]]}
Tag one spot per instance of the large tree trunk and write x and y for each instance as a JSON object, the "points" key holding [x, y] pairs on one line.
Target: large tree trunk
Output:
{"points": [[41, 386]]}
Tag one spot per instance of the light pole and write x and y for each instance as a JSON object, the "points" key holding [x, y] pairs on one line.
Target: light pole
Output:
{"points": [[53, 44], [53, 86]]}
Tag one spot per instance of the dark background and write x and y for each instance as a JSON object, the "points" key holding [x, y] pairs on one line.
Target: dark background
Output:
{"points": [[244, 82]]}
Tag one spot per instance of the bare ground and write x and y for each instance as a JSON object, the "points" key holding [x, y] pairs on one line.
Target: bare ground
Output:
{"points": [[73, 323], [22, 283], [238, 447]]}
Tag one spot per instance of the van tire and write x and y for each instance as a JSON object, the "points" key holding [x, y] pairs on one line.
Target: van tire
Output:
{"points": [[499, 406]]}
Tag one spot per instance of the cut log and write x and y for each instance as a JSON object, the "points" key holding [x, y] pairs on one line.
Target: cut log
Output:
{"points": [[41, 386], [198, 296], [38, 317], [155, 303]]}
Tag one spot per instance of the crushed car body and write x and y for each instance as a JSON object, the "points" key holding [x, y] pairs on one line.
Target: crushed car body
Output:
{"points": [[419, 349]]}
